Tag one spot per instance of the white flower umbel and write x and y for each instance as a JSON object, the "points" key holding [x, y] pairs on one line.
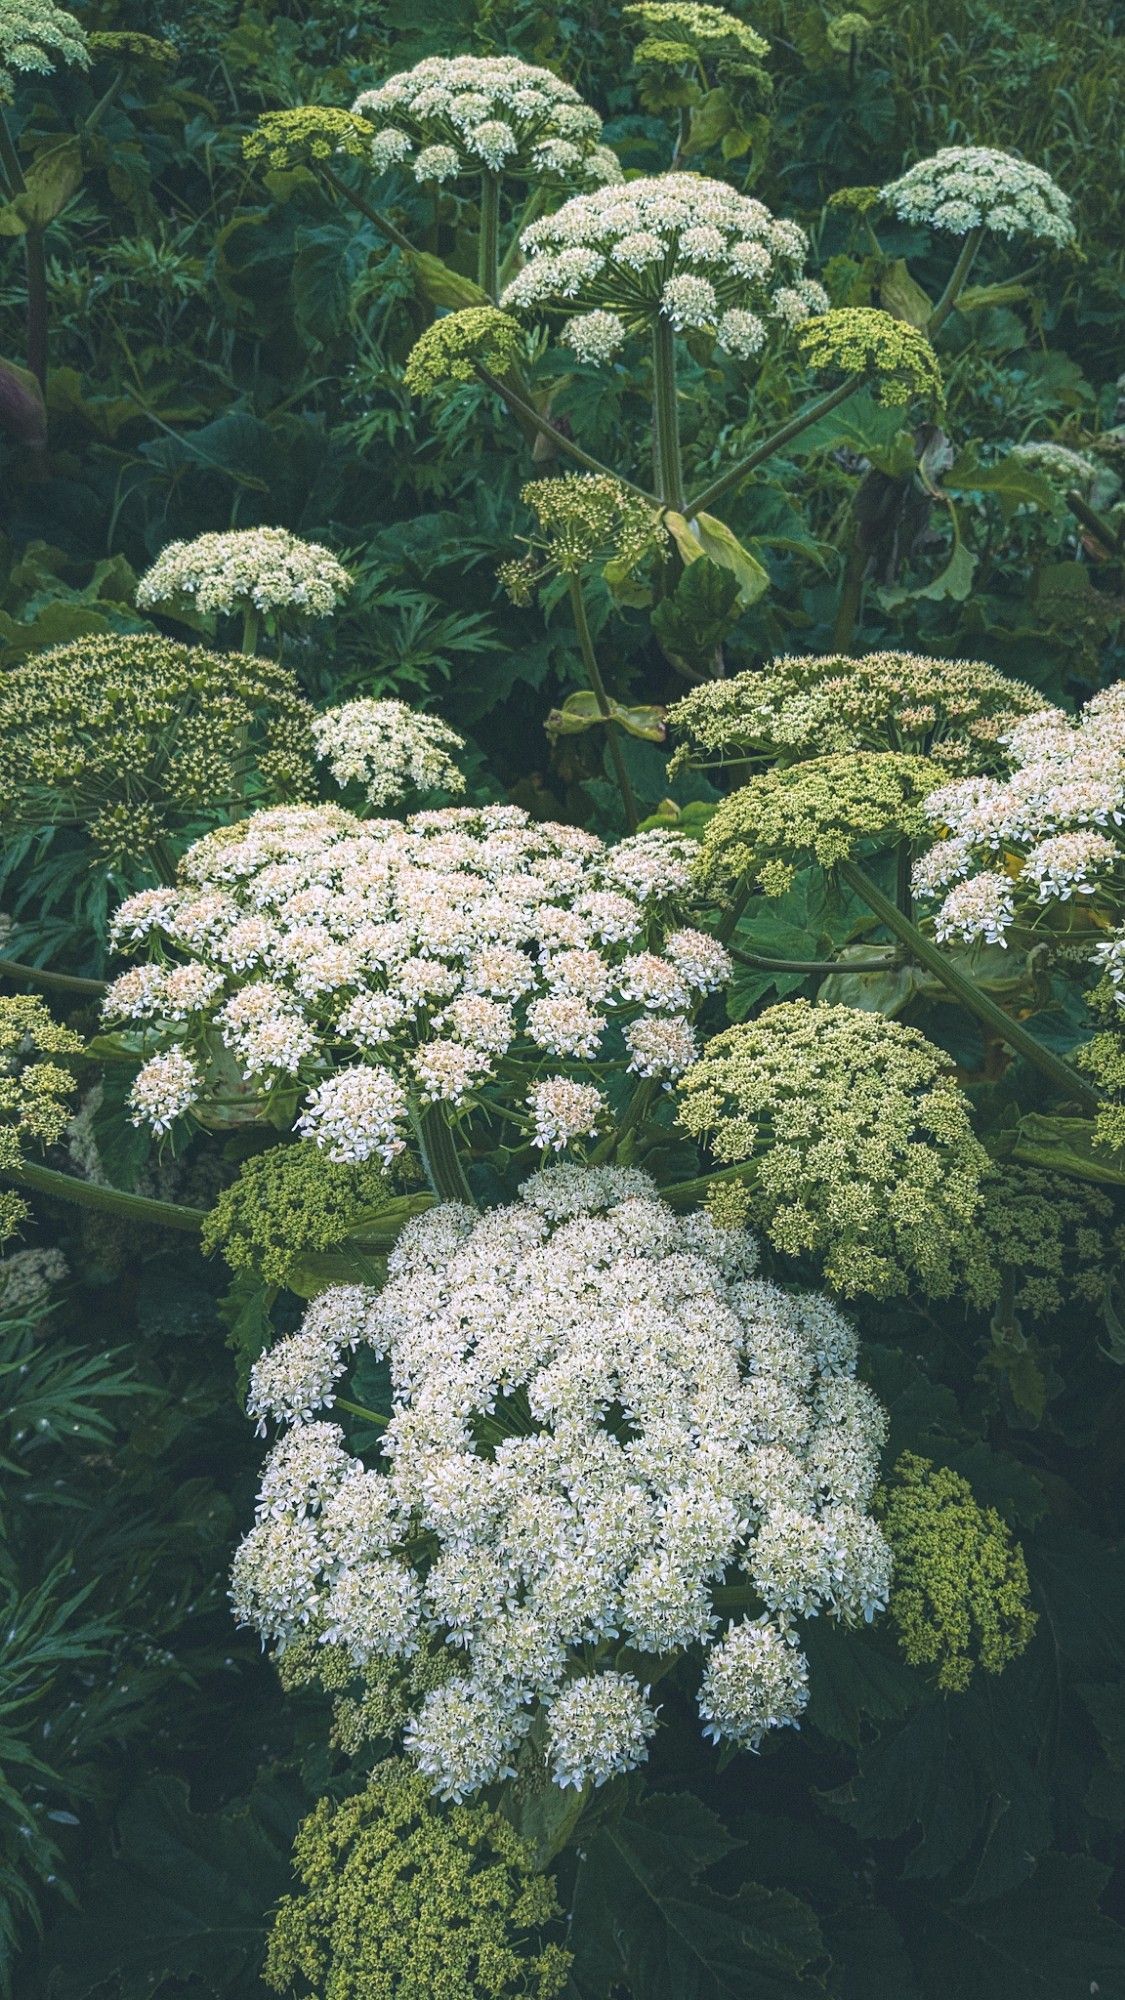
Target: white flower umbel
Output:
{"points": [[975, 187], [163, 1090], [259, 569], [674, 247], [456, 115], [372, 960], [388, 748], [1042, 848], [600, 1416]]}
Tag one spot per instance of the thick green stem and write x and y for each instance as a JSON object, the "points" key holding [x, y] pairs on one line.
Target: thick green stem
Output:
{"points": [[360, 1410], [1065, 1079], [705, 499], [251, 625], [812, 967], [1110, 540], [381, 222], [38, 975], [605, 709], [440, 1157], [851, 594], [488, 248], [521, 407], [956, 285], [137, 1208], [636, 1111], [35, 263], [666, 415]]}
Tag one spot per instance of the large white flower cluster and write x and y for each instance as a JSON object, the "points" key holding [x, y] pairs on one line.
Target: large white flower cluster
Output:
{"points": [[392, 750], [976, 187], [674, 246], [454, 115], [267, 569], [35, 37], [601, 1418], [1037, 847], [382, 960]]}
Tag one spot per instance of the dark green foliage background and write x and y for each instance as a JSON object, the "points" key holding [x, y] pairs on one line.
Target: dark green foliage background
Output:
{"points": [[224, 357]]}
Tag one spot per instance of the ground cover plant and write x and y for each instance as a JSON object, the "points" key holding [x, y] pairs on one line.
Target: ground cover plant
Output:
{"points": [[562, 967]]}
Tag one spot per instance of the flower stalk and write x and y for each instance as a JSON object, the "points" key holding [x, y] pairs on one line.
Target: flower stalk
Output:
{"points": [[593, 675], [666, 416]]}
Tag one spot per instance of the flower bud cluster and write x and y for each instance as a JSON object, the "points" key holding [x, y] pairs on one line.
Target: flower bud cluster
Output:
{"points": [[34, 1089], [822, 810], [599, 1415], [955, 711], [860, 340]]}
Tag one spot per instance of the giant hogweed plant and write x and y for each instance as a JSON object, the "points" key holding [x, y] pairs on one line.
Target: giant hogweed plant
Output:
{"points": [[569, 1453]]}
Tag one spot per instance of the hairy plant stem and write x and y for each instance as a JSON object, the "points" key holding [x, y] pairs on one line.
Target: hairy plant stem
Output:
{"points": [[1110, 540], [488, 247], [666, 416], [381, 222], [956, 285], [440, 1157], [35, 262], [759, 962], [138, 1208], [360, 1410], [705, 499], [37, 975], [521, 407], [593, 675], [251, 625], [964, 989]]}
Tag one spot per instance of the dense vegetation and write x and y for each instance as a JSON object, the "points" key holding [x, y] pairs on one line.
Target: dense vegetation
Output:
{"points": [[791, 536]]}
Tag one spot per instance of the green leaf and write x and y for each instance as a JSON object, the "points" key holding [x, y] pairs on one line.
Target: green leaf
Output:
{"points": [[955, 580], [695, 619], [1045, 1941], [705, 535], [245, 1312], [185, 1897], [981, 298], [643, 1920], [852, 1678], [52, 178], [581, 711], [710, 119], [1011, 481], [441, 286], [1065, 1146], [902, 297]]}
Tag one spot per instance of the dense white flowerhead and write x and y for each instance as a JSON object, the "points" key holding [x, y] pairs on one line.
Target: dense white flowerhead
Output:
{"points": [[36, 37], [455, 115], [390, 749], [264, 569], [376, 960], [975, 187], [1041, 843], [674, 247], [599, 1414]]}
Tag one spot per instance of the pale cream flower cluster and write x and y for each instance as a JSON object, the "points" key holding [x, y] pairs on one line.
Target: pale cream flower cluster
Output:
{"points": [[35, 38], [976, 187], [1041, 846], [390, 749], [380, 961], [264, 569], [600, 1414], [454, 115], [677, 247]]}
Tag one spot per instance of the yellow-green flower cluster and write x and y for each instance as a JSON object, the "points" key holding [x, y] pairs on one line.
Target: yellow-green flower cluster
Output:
{"points": [[310, 135], [860, 1149], [583, 518], [1103, 1058], [450, 350], [822, 811], [370, 1703], [845, 31], [1052, 1237], [35, 37], [124, 45], [34, 1090], [860, 340], [956, 711], [138, 739], [678, 30], [959, 1598], [288, 1203], [403, 1901]]}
